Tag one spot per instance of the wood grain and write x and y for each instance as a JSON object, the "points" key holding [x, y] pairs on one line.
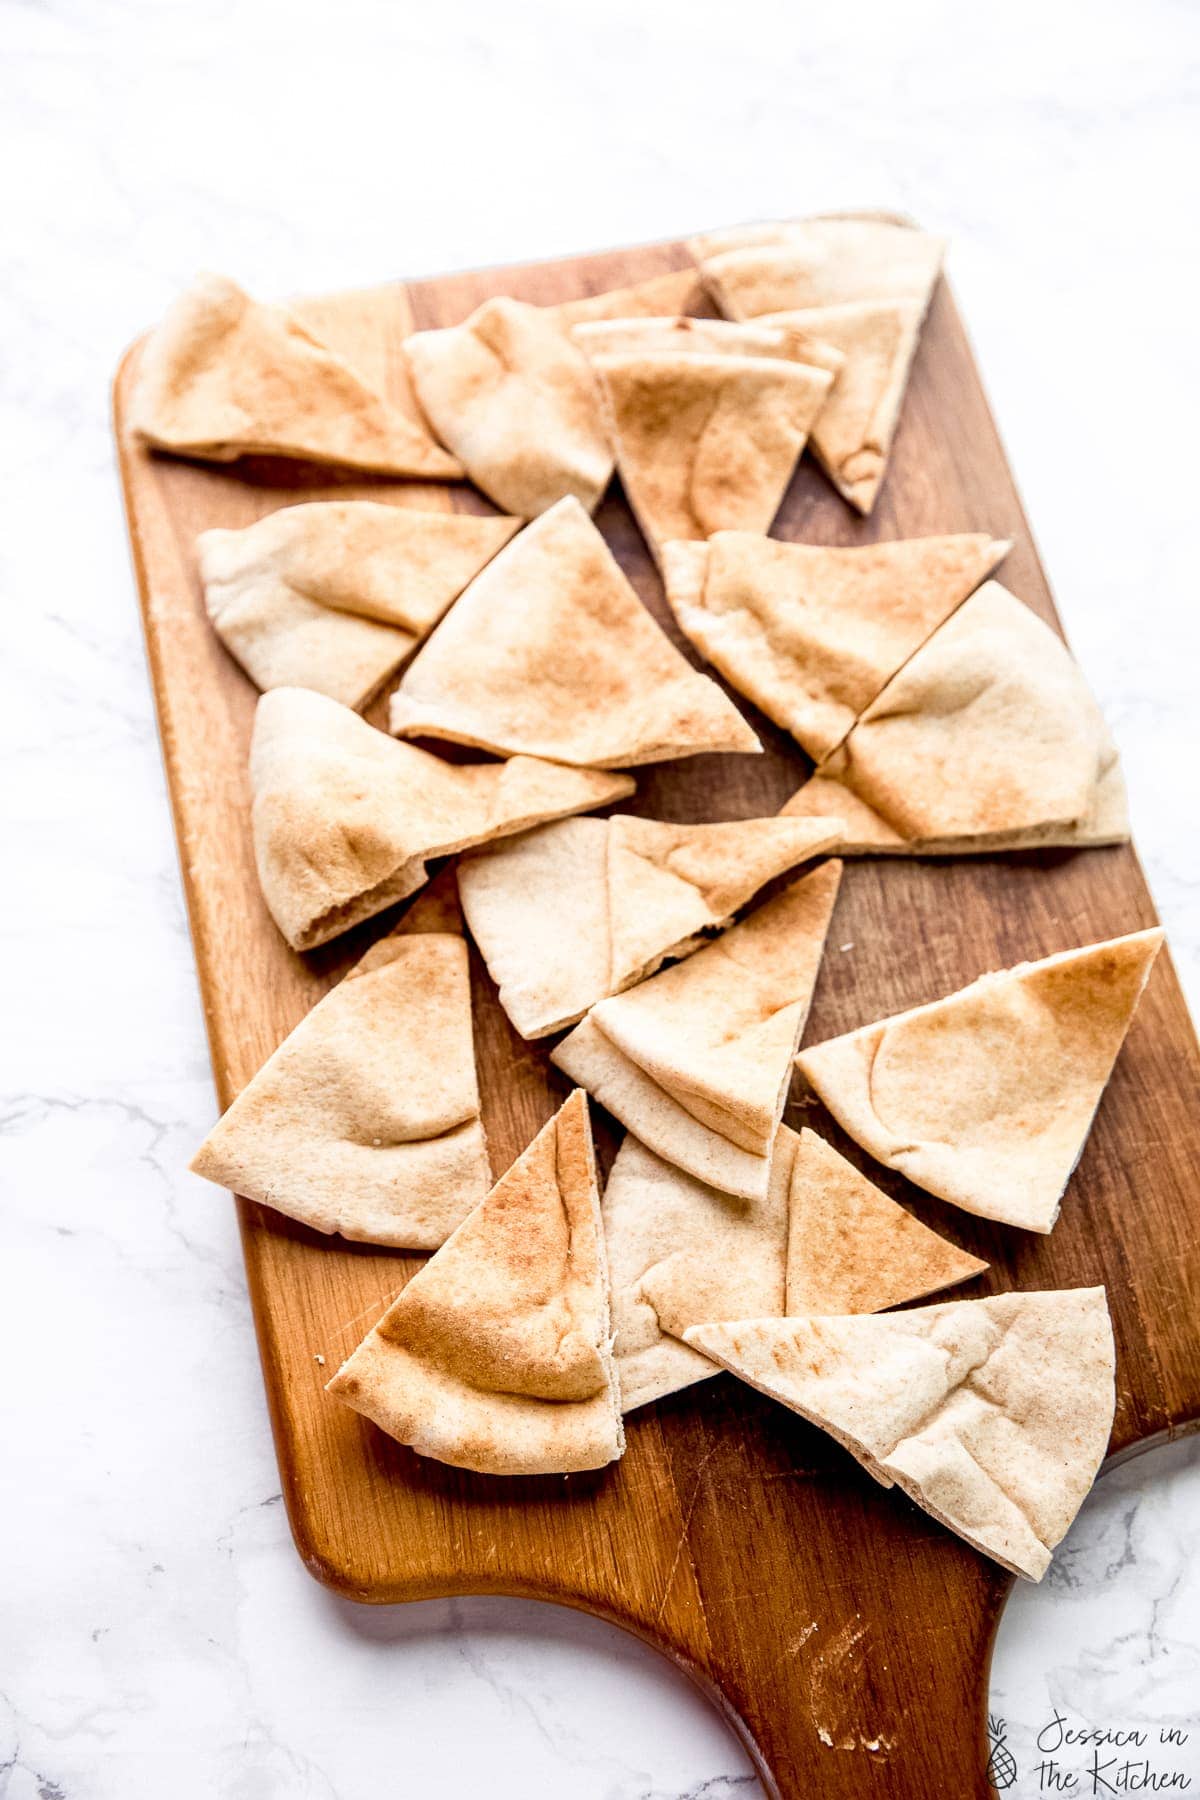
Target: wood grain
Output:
{"points": [[845, 1634]]}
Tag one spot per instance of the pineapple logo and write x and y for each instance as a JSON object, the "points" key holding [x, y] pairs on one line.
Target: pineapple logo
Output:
{"points": [[1001, 1766]]}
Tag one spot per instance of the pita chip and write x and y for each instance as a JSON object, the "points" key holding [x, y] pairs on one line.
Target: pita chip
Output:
{"points": [[695, 1060], [514, 398], [615, 336], [224, 376], [571, 913], [334, 595], [345, 820], [812, 634], [818, 262], [822, 1239], [659, 296], [707, 442], [366, 1121], [986, 1098], [851, 1249], [497, 1356], [989, 738], [994, 1415], [551, 653], [681, 1252], [852, 436]]}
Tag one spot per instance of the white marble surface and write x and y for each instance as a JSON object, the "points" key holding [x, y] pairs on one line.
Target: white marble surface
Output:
{"points": [[157, 1632]]}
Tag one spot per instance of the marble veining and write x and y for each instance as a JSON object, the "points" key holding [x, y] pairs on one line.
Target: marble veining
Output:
{"points": [[158, 1632]]}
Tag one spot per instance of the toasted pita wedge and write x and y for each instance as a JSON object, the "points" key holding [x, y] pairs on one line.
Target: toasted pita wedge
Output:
{"points": [[988, 738], [994, 1415], [704, 337], [345, 821], [571, 913], [680, 1253], [335, 595], [812, 634], [659, 296], [551, 653], [818, 262], [986, 1097], [497, 1355], [514, 397], [853, 1250], [224, 376], [707, 443], [366, 1120], [852, 436], [694, 1061]]}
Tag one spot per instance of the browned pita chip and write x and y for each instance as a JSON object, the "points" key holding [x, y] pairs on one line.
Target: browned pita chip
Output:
{"points": [[497, 1355], [366, 1121], [659, 296], [817, 262], [345, 820], [707, 442], [551, 653], [986, 1097], [514, 397], [224, 376], [695, 1060], [811, 633], [994, 1415], [850, 1248], [989, 738], [573, 912], [334, 595]]}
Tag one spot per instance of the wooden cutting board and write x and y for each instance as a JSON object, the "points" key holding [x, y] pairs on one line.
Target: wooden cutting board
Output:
{"points": [[846, 1636]]}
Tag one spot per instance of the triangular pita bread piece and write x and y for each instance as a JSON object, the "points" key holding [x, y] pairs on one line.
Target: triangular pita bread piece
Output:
{"points": [[853, 1250], [986, 1097], [810, 633], [224, 376], [334, 595], [573, 912], [514, 398], [818, 262], [989, 737], [994, 1415], [659, 296], [681, 1252], [852, 435], [707, 443], [497, 1355], [345, 820], [551, 652], [695, 1060], [366, 1121]]}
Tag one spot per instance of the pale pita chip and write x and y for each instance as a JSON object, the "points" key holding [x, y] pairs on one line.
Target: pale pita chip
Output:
{"points": [[852, 435], [818, 262], [366, 1121], [224, 376], [551, 653], [850, 1248], [497, 1355], [680, 1252], [345, 820], [704, 337], [571, 913], [986, 1098], [334, 595], [994, 1415], [659, 296], [811, 634], [695, 1060], [707, 443], [515, 400], [989, 737], [822, 1239]]}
